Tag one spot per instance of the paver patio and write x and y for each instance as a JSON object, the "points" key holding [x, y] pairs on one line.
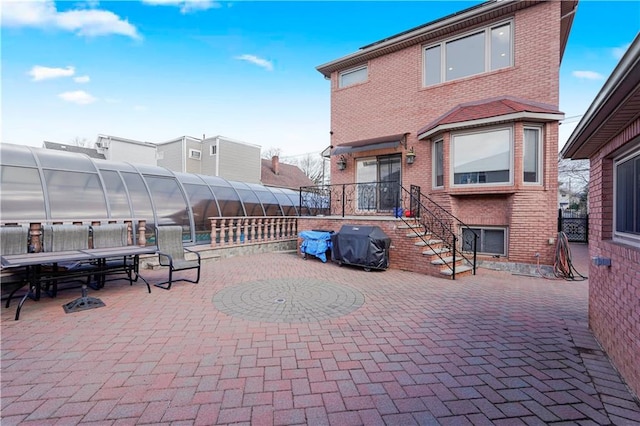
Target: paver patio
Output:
{"points": [[317, 344]]}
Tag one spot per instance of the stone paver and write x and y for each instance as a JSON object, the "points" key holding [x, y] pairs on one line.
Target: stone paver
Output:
{"points": [[344, 347]]}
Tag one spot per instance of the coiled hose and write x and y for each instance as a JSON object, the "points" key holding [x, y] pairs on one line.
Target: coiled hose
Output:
{"points": [[563, 269]]}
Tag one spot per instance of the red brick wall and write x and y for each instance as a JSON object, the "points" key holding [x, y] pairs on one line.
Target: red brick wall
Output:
{"points": [[614, 292], [393, 101]]}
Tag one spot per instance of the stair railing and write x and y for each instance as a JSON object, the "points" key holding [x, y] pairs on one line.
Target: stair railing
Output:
{"points": [[456, 236]]}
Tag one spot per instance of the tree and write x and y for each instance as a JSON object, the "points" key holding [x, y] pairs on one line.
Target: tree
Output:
{"points": [[312, 166], [574, 174], [83, 142], [269, 153]]}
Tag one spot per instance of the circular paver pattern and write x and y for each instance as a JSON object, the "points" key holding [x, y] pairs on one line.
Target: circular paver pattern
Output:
{"points": [[288, 300]]}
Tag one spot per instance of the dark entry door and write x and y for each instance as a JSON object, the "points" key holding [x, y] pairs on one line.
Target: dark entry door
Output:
{"points": [[389, 178]]}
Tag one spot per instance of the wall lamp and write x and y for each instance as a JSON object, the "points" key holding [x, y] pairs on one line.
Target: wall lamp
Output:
{"points": [[411, 156], [342, 163]]}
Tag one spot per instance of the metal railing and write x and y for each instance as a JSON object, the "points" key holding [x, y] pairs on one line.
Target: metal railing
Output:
{"points": [[439, 230]]}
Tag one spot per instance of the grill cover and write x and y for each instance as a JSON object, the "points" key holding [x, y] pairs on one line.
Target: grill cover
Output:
{"points": [[316, 243], [366, 246]]}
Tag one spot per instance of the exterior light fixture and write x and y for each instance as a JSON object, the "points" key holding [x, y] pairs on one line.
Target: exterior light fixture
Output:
{"points": [[342, 163], [411, 156]]}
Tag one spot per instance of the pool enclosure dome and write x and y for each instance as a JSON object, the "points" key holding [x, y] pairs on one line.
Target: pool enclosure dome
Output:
{"points": [[42, 185]]}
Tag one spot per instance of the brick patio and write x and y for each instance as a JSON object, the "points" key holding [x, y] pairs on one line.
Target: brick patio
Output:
{"points": [[382, 347]]}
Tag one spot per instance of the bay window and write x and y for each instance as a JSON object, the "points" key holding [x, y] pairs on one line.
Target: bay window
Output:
{"points": [[481, 158], [532, 155]]}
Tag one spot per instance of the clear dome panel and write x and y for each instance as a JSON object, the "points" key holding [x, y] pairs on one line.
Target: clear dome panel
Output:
{"points": [[16, 155], [22, 195], [52, 159], [116, 194], [228, 200], [141, 201], [75, 195], [169, 201], [203, 206], [251, 202]]}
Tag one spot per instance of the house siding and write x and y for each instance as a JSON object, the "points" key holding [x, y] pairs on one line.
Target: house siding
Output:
{"points": [[131, 152], [170, 155], [192, 165], [209, 162], [614, 292], [393, 101], [239, 162]]}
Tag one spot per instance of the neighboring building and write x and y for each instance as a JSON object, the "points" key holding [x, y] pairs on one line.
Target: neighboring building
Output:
{"points": [[609, 136], [120, 149], [466, 108], [567, 198], [91, 152], [216, 156], [283, 175]]}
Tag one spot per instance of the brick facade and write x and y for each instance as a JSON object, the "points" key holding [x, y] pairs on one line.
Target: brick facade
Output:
{"points": [[614, 292], [393, 101]]}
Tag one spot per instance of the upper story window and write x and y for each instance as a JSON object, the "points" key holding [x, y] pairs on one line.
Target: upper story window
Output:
{"points": [[195, 154], [213, 149], [532, 155], [482, 51], [353, 76], [482, 157], [627, 198]]}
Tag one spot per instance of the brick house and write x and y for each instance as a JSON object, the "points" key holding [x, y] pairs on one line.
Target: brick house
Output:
{"points": [[466, 109], [282, 175], [609, 136]]}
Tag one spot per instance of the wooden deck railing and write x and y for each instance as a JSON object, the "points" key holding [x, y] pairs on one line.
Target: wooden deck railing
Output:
{"points": [[233, 231]]}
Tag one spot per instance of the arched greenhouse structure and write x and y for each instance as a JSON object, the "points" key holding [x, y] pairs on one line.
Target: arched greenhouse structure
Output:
{"points": [[41, 185]]}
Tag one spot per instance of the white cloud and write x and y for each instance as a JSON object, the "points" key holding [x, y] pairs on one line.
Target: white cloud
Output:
{"points": [[618, 52], [79, 97], [82, 79], [256, 60], [588, 75], [186, 6], [84, 22], [39, 73]]}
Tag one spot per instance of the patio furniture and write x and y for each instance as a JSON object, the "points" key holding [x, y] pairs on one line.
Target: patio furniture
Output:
{"points": [[171, 253], [14, 240]]}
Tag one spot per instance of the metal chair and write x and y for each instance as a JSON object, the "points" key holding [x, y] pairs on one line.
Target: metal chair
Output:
{"points": [[171, 253], [108, 236], [14, 240]]}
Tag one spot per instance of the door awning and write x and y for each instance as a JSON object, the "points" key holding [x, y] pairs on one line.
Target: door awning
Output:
{"points": [[391, 141]]}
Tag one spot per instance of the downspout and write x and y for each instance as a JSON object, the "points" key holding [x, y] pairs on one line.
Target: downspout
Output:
{"points": [[217, 156], [184, 154]]}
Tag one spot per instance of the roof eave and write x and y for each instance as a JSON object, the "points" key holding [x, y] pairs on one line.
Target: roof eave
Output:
{"points": [[517, 116], [622, 84], [420, 34]]}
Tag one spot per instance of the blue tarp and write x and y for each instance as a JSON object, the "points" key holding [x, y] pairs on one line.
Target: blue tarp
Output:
{"points": [[316, 243]]}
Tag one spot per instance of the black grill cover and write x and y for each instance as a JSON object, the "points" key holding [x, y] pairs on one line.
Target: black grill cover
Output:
{"points": [[366, 246]]}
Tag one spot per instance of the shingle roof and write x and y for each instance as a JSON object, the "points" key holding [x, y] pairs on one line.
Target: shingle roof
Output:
{"points": [[289, 176], [487, 109], [91, 152]]}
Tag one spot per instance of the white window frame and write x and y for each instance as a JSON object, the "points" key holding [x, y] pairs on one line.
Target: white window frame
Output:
{"points": [[479, 229], [540, 146], [619, 236], [487, 53], [435, 163], [452, 171], [213, 150], [195, 154], [351, 71]]}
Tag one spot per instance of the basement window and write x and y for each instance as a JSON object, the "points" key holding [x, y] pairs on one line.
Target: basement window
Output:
{"points": [[491, 240]]}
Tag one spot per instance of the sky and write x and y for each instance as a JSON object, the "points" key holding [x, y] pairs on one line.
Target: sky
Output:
{"points": [[154, 70]]}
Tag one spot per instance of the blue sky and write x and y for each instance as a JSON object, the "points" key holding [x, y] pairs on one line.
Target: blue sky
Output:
{"points": [[158, 69]]}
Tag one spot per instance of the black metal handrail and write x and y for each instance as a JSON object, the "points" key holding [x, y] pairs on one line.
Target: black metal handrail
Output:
{"points": [[450, 232], [391, 198]]}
